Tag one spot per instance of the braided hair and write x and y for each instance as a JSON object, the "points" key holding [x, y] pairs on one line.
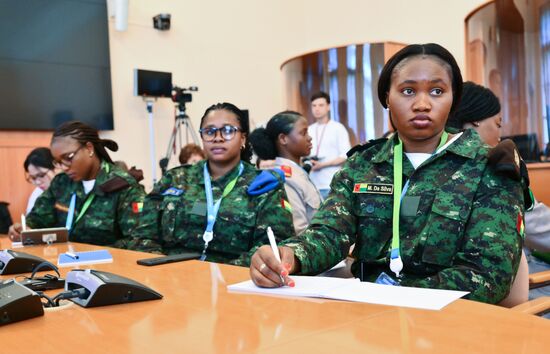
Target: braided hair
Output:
{"points": [[84, 133], [477, 103]]}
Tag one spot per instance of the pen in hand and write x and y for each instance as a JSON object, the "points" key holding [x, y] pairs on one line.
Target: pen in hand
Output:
{"points": [[23, 223], [274, 248]]}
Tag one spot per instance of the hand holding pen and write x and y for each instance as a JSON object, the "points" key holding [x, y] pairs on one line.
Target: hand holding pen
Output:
{"points": [[271, 265]]}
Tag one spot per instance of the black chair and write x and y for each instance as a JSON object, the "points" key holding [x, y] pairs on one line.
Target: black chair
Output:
{"points": [[527, 145]]}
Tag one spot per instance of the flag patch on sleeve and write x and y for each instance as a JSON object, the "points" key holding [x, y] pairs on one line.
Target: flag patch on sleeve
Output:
{"points": [[286, 205], [137, 207], [519, 225]]}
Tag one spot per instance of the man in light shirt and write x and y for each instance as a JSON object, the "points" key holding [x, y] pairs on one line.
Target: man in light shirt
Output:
{"points": [[330, 141]]}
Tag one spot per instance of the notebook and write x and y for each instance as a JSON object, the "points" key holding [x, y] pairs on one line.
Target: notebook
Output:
{"points": [[354, 290], [88, 257]]}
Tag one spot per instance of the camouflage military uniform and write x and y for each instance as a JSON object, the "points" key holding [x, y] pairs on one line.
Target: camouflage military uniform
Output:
{"points": [[111, 217], [460, 222], [174, 216]]}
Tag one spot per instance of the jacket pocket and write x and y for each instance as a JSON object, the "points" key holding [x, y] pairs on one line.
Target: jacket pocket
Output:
{"points": [[373, 224], [446, 222]]}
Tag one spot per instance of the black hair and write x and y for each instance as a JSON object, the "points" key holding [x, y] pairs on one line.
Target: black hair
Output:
{"points": [[246, 153], [39, 157], [320, 94], [84, 133], [477, 103], [384, 82], [264, 139]]}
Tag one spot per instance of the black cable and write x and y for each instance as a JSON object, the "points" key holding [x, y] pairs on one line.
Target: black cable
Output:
{"points": [[71, 294], [50, 302]]}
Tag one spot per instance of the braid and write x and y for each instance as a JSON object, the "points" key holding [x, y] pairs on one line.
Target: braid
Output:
{"points": [[84, 133]]}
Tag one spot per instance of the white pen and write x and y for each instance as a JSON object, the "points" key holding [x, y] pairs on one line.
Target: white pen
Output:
{"points": [[71, 254], [274, 247], [23, 222], [273, 243]]}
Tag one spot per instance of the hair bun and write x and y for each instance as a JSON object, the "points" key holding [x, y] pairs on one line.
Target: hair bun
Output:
{"points": [[110, 144]]}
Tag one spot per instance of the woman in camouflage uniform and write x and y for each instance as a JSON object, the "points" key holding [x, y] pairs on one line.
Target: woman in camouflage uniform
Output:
{"points": [[97, 201], [424, 208], [220, 207]]}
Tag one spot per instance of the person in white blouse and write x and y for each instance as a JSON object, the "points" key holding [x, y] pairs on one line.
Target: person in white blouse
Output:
{"points": [[39, 171], [285, 140]]}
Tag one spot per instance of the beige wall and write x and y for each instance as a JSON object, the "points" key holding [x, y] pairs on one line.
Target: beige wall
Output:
{"points": [[232, 51]]}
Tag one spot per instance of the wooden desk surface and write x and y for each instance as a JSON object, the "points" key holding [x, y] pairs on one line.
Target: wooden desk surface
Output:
{"points": [[198, 315]]}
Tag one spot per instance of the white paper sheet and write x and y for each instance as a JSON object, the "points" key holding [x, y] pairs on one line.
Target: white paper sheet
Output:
{"points": [[354, 290]]}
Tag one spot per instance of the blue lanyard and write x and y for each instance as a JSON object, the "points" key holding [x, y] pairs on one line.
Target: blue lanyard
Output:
{"points": [[213, 208], [396, 263]]}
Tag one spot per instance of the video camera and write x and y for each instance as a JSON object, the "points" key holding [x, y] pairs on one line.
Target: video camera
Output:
{"points": [[180, 96], [307, 164]]}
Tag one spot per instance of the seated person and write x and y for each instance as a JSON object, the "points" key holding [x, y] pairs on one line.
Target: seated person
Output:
{"points": [[423, 207], [97, 201], [220, 207], [479, 109], [285, 139], [40, 171], [191, 154]]}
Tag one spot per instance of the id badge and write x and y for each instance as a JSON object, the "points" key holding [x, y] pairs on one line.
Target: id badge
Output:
{"points": [[385, 279]]}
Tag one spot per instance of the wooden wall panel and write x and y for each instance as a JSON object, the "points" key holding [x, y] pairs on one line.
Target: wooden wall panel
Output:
{"points": [[14, 148], [539, 174]]}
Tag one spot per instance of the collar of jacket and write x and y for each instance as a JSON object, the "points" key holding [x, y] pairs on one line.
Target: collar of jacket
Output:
{"points": [[467, 145], [102, 177], [223, 180]]}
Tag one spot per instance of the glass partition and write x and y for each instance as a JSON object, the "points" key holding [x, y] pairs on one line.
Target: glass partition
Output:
{"points": [[508, 51], [349, 75]]}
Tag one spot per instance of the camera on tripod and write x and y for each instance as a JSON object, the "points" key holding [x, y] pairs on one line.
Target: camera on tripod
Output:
{"points": [[179, 95]]}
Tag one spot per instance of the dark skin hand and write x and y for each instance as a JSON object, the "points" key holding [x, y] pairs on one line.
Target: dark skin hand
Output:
{"points": [[267, 272]]}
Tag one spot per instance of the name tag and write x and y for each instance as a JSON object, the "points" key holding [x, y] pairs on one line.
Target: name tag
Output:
{"points": [[374, 188], [173, 191]]}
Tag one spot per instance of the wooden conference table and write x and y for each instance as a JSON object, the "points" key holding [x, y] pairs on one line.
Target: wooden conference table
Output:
{"points": [[198, 315]]}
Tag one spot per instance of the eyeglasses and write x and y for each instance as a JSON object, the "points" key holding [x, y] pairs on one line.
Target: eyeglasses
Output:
{"points": [[67, 160], [227, 132], [34, 179]]}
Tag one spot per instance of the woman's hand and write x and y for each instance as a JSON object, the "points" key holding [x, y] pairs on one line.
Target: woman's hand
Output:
{"points": [[266, 271], [15, 232]]}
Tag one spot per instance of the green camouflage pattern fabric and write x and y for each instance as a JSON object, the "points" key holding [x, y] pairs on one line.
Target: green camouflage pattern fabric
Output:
{"points": [[110, 218], [174, 224], [462, 236]]}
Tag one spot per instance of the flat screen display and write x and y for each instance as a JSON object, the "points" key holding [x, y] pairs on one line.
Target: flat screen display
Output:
{"points": [[152, 83], [54, 64]]}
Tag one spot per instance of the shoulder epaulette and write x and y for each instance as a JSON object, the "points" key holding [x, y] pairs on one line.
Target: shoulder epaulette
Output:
{"points": [[266, 181], [114, 184], [504, 159], [368, 144]]}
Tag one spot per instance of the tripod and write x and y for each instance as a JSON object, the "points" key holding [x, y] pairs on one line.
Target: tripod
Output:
{"points": [[181, 119]]}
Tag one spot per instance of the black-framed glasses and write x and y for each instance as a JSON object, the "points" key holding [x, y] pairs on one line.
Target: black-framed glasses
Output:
{"points": [[227, 132], [67, 159]]}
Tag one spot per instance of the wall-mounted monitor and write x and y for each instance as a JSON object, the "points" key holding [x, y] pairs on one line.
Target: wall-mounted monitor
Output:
{"points": [[54, 64], [149, 83]]}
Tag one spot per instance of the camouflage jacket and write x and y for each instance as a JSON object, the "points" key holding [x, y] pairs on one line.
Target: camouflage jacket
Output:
{"points": [[112, 215], [460, 222], [174, 216]]}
